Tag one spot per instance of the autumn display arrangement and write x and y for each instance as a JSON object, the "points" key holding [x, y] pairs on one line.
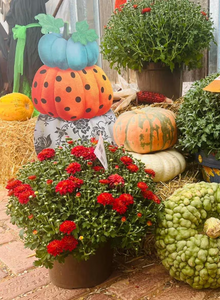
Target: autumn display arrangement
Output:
{"points": [[66, 203]]}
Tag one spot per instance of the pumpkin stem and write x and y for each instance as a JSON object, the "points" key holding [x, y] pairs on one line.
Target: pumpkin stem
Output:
{"points": [[66, 31]]}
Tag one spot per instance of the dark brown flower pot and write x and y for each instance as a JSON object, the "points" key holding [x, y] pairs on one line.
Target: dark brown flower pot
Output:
{"points": [[83, 274], [159, 79]]}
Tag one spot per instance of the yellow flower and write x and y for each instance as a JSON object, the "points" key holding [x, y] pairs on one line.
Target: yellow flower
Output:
{"points": [[81, 238]]}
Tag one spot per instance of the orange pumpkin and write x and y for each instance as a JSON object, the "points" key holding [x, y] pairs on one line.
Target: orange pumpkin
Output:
{"points": [[146, 130], [72, 95]]}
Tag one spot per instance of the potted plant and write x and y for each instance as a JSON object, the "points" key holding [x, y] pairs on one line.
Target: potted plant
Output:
{"points": [[198, 122], [157, 36], [71, 210]]}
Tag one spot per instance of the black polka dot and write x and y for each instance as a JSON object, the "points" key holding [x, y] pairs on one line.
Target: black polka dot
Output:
{"points": [[103, 76], [44, 101], [57, 99], [109, 97], [87, 87], [88, 110], [95, 70], [35, 101], [78, 99], [67, 108], [43, 71], [101, 106], [58, 78], [68, 89], [74, 117], [73, 75], [102, 90], [35, 84], [46, 84], [84, 71], [50, 113]]}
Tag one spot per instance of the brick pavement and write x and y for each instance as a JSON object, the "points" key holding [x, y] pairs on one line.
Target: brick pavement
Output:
{"points": [[142, 279]]}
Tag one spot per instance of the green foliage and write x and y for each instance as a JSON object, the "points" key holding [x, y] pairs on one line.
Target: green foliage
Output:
{"points": [[173, 33], [41, 217], [49, 23], [198, 119]]}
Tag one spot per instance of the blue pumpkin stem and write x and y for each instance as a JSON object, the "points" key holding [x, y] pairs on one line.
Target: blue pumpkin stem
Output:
{"points": [[66, 35]]}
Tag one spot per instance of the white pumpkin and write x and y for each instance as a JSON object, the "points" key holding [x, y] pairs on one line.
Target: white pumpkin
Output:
{"points": [[166, 164]]}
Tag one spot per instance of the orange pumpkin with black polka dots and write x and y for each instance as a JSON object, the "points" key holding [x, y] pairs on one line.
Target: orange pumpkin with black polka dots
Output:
{"points": [[72, 95]]}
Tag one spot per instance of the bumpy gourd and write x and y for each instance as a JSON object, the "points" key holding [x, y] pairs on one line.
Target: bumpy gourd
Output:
{"points": [[184, 248], [146, 130], [72, 95], [166, 164], [15, 107]]}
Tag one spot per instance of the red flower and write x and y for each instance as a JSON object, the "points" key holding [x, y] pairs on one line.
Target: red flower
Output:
{"points": [[104, 181], [23, 197], [116, 167], [49, 181], [139, 215], [133, 168], [55, 162], [67, 227], [135, 6], [69, 243], [22, 188], [203, 13], [127, 199], [112, 148], [142, 185], [65, 186], [70, 142], [86, 152], [149, 223], [78, 182], [12, 184], [46, 153], [126, 160], [32, 177], [119, 206], [105, 199], [55, 247], [94, 140], [30, 217], [151, 196], [147, 9], [34, 231], [78, 194], [89, 163], [150, 172], [73, 168], [98, 168], [123, 219], [115, 180]]}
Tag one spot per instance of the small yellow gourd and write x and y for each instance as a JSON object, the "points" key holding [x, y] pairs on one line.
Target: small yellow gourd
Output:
{"points": [[15, 107]]}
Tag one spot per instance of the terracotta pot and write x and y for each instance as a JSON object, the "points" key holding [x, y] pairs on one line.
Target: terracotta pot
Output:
{"points": [[210, 167], [159, 79], [83, 274]]}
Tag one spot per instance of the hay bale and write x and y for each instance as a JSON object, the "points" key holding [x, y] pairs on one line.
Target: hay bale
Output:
{"points": [[16, 147]]}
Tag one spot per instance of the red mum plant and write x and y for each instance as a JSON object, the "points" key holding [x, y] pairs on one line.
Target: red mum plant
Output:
{"points": [[66, 202], [146, 10]]}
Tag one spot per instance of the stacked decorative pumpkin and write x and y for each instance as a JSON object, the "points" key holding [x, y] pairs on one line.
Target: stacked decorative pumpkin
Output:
{"points": [[149, 130], [69, 85]]}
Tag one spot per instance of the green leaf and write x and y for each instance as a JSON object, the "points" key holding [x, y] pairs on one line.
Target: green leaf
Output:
{"points": [[49, 23], [83, 34]]}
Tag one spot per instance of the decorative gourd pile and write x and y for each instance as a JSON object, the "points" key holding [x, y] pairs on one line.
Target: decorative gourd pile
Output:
{"points": [[187, 248], [149, 130], [69, 85]]}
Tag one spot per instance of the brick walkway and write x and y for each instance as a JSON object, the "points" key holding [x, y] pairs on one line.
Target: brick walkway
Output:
{"points": [[142, 279]]}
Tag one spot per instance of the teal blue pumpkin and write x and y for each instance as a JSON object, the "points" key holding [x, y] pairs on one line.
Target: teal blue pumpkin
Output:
{"points": [[56, 51]]}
